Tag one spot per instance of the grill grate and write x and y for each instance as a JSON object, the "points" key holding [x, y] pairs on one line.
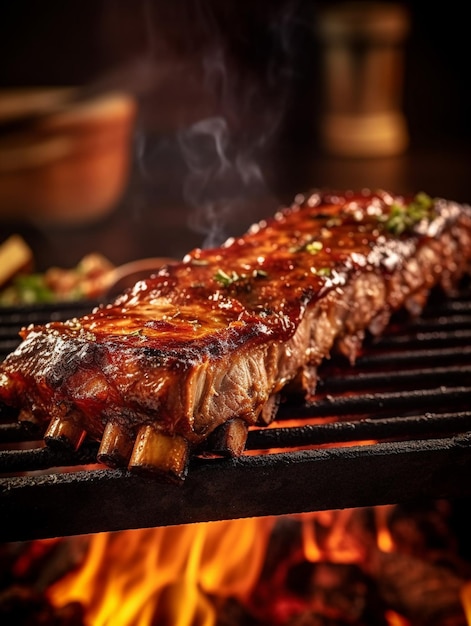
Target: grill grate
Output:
{"points": [[394, 427]]}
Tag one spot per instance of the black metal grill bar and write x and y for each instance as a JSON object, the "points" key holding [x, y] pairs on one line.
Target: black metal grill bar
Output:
{"points": [[456, 321], [449, 306], [442, 355], [431, 339], [395, 426], [8, 345], [368, 403], [215, 489], [377, 429], [17, 432], [12, 319], [435, 425], [41, 458], [453, 374], [18, 316]]}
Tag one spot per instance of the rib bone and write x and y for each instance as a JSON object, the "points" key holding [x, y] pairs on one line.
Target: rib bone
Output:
{"points": [[212, 341]]}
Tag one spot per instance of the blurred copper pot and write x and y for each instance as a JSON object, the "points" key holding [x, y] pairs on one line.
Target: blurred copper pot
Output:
{"points": [[62, 158]]}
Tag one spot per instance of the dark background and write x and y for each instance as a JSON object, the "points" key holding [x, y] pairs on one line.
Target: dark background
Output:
{"points": [[256, 65]]}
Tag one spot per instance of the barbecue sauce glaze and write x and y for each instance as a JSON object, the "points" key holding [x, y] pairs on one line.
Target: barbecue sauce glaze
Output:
{"points": [[216, 336]]}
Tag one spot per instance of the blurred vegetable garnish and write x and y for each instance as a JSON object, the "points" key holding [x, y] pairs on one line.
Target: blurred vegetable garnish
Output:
{"points": [[19, 284], [26, 289]]}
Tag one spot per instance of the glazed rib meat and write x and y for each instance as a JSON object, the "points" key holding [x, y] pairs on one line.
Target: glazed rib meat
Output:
{"points": [[186, 361]]}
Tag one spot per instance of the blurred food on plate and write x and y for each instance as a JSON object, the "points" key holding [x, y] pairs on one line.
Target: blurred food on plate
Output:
{"points": [[20, 284]]}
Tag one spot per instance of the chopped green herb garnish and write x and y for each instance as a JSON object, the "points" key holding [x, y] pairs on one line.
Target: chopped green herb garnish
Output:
{"points": [[136, 333], [260, 274], [403, 217], [226, 279], [322, 271], [314, 247]]}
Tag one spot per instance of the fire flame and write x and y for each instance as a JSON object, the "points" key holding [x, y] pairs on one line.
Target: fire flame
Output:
{"points": [[342, 543], [165, 575], [466, 600], [168, 575]]}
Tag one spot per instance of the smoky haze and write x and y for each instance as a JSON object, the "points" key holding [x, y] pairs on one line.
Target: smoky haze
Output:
{"points": [[230, 89]]}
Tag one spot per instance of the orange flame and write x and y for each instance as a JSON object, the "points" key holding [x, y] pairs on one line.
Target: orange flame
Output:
{"points": [[162, 575], [337, 546], [341, 541], [466, 600], [384, 538], [394, 619], [168, 575]]}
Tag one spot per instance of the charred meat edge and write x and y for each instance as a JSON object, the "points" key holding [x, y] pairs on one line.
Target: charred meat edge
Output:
{"points": [[210, 405]]}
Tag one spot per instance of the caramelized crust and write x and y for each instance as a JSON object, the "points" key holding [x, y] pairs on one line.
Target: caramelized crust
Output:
{"points": [[217, 336]]}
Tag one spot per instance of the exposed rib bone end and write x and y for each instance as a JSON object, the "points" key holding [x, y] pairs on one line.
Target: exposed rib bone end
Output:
{"points": [[229, 438], [157, 453], [115, 447], [64, 433]]}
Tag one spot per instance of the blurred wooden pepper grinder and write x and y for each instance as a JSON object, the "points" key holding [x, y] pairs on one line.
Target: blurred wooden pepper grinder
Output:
{"points": [[363, 65]]}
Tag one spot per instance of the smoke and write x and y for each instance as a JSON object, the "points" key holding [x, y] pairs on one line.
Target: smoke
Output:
{"points": [[218, 178], [230, 95], [224, 152]]}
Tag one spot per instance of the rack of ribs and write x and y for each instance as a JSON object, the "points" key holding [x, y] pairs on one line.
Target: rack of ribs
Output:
{"points": [[186, 361]]}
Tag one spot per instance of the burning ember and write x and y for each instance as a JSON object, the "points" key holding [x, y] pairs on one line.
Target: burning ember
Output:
{"points": [[381, 566]]}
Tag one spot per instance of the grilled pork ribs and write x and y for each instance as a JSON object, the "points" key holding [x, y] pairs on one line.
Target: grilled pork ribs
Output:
{"points": [[187, 360]]}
